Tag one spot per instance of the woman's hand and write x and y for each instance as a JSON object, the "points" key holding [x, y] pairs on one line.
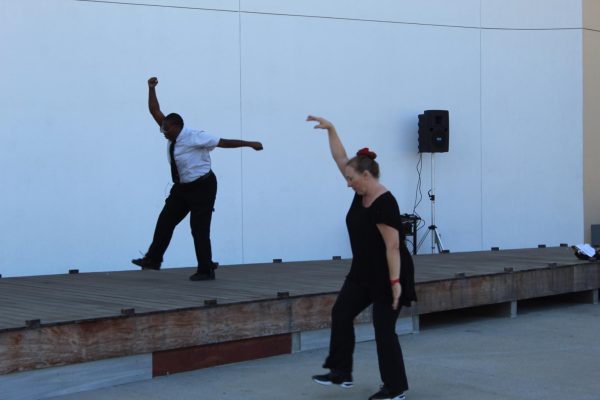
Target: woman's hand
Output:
{"points": [[323, 123], [335, 144], [396, 292]]}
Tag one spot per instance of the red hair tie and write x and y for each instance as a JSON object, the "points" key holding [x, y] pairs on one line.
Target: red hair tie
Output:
{"points": [[363, 152]]}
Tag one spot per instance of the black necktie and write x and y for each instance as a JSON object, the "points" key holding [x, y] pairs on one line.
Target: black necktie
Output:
{"points": [[174, 173]]}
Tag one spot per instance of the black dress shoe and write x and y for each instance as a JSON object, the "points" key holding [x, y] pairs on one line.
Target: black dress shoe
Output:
{"points": [[203, 276], [146, 263]]}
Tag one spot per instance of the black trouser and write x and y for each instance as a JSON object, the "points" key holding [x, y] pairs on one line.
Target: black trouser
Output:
{"points": [[352, 299], [198, 199]]}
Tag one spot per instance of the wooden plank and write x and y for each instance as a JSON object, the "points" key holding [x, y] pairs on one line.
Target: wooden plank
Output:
{"points": [[455, 293], [59, 298], [93, 340]]}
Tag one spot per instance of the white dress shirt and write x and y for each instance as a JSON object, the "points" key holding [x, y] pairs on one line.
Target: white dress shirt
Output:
{"points": [[192, 153]]}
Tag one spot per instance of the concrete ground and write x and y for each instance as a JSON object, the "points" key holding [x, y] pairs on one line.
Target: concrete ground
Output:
{"points": [[550, 351]]}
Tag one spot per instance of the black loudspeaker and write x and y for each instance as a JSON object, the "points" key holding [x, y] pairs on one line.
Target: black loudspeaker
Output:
{"points": [[434, 131]]}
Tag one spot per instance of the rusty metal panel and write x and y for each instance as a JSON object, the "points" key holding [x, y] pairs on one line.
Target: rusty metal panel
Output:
{"points": [[191, 358]]}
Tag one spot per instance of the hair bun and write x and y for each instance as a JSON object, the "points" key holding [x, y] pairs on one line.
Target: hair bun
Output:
{"points": [[365, 152]]}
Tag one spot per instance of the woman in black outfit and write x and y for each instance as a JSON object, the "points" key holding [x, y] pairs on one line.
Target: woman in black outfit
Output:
{"points": [[381, 274]]}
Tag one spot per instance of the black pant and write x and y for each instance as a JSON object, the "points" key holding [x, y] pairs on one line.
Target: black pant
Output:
{"points": [[352, 299], [198, 199]]}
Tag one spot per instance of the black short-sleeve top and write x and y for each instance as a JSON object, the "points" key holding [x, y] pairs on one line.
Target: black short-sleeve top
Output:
{"points": [[369, 261]]}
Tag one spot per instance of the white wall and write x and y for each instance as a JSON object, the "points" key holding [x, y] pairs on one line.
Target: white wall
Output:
{"points": [[373, 94], [85, 169], [532, 14], [531, 134]]}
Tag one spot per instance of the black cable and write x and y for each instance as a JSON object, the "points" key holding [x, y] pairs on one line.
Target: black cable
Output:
{"points": [[418, 193]]}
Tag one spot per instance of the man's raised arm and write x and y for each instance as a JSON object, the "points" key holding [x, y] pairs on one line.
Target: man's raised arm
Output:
{"points": [[153, 105]]}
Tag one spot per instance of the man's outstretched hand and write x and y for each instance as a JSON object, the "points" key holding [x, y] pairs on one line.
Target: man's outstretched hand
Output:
{"points": [[152, 82], [256, 146]]}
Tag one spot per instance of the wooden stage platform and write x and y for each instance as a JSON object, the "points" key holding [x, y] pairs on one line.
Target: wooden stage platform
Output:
{"points": [[140, 324]]}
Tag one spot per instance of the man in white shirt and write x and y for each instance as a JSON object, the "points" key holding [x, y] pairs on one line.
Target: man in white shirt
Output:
{"points": [[194, 187]]}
